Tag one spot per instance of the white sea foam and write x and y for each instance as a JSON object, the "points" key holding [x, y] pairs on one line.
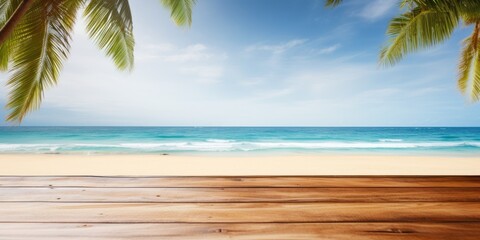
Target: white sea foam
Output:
{"points": [[226, 145], [390, 140], [219, 140]]}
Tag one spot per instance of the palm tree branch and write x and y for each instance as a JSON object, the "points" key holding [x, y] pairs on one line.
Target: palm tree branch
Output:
{"points": [[9, 25], [465, 65], [7, 9], [4, 55], [475, 91], [180, 11], [415, 30], [43, 39], [109, 24], [469, 66]]}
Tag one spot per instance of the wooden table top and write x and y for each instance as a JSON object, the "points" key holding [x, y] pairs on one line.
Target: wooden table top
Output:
{"points": [[263, 207]]}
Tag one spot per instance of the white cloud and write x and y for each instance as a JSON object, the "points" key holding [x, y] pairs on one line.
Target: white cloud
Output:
{"points": [[377, 8], [330, 49], [170, 53], [426, 91], [252, 81], [330, 80], [190, 53], [162, 47], [205, 74], [277, 93], [196, 61], [380, 93], [276, 48]]}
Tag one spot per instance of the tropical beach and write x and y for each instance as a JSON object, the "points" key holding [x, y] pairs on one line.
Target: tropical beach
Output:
{"points": [[240, 119], [215, 151], [239, 183]]}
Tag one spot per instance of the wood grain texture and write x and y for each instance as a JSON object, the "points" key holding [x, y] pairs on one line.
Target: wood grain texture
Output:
{"points": [[238, 212], [304, 231], [223, 182], [330, 208], [152, 195]]}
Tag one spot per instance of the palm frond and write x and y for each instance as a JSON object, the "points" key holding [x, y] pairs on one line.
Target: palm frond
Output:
{"points": [[471, 16], [180, 11], [7, 8], [408, 4], [109, 24], [464, 8], [465, 65], [4, 5], [42, 40], [469, 66], [4, 55], [475, 90], [445, 5], [415, 30]]}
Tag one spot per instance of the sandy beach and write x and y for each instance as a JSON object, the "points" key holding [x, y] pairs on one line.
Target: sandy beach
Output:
{"points": [[200, 165]]}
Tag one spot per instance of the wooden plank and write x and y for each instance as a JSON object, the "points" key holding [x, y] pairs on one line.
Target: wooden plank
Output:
{"points": [[86, 181], [238, 212], [304, 231], [239, 194]]}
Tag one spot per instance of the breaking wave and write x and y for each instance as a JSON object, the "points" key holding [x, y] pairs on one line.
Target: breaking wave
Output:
{"points": [[220, 145]]}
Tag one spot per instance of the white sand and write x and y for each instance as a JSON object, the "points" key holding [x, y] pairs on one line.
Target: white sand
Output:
{"points": [[241, 165]]}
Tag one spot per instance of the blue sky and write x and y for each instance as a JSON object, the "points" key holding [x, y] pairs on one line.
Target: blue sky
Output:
{"points": [[262, 63]]}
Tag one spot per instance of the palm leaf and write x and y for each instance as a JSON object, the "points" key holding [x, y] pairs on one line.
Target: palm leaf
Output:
{"points": [[109, 24], [415, 30], [407, 4], [180, 11], [469, 66], [464, 8], [42, 43], [4, 55], [7, 8], [446, 5], [3, 6], [475, 90], [471, 16]]}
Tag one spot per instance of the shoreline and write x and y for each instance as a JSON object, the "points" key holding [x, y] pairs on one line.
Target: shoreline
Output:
{"points": [[242, 165]]}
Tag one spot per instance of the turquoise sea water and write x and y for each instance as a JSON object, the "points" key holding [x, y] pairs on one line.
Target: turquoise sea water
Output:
{"points": [[91, 140]]}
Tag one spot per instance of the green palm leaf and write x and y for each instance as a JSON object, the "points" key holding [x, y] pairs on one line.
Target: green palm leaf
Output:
{"points": [[180, 10], [109, 23], [471, 16], [4, 55], [407, 3], [42, 43], [446, 5], [469, 67], [7, 8], [415, 30], [467, 9]]}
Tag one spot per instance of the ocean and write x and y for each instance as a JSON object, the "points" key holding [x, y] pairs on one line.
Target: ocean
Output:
{"points": [[296, 140]]}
